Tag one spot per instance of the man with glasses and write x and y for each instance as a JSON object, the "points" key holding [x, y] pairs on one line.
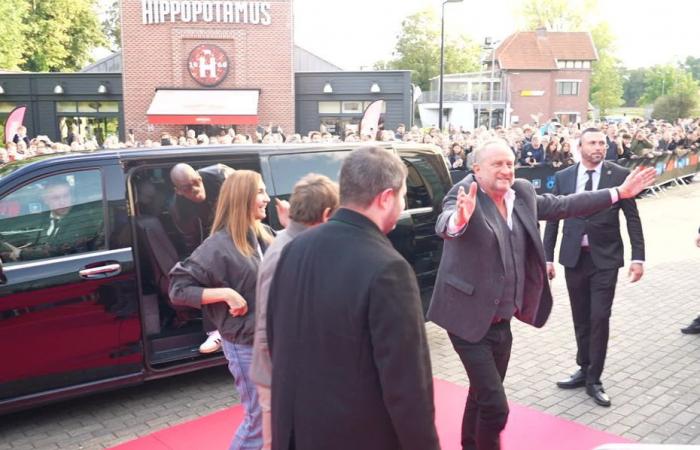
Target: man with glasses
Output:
{"points": [[196, 193], [192, 211]]}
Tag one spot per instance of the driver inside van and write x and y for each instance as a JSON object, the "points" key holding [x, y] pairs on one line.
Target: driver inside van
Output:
{"points": [[66, 227]]}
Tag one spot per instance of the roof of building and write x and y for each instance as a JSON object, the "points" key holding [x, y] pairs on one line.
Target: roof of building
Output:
{"points": [[304, 61], [540, 50]]}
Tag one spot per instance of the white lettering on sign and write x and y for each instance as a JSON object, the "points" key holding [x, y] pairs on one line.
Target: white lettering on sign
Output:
{"points": [[207, 69], [218, 11]]}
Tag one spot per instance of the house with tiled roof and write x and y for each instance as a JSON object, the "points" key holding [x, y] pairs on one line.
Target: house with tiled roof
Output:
{"points": [[532, 76]]}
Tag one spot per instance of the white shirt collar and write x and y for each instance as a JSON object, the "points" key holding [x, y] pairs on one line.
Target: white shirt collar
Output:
{"points": [[582, 169]]}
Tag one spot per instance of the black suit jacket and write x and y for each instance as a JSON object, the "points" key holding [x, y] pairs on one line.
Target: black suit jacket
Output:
{"points": [[351, 368], [81, 230], [194, 220], [470, 278], [602, 228]]}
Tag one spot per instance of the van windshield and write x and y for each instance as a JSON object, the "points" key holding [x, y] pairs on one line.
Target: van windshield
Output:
{"points": [[288, 169]]}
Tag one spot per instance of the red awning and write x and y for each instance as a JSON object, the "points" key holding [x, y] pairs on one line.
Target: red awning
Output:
{"points": [[204, 107]]}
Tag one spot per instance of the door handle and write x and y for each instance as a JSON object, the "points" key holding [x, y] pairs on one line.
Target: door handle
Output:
{"points": [[108, 270]]}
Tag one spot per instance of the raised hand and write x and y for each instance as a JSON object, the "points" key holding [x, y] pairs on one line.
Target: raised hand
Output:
{"points": [[639, 179], [466, 203], [282, 207]]}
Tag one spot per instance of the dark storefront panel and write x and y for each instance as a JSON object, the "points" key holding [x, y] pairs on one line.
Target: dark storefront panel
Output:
{"points": [[313, 106], [44, 114]]}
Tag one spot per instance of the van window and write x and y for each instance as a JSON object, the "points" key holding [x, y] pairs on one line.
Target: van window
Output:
{"points": [[288, 169], [54, 216], [417, 194]]}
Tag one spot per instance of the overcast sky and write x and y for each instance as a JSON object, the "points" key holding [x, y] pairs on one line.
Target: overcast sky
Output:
{"points": [[355, 33]]}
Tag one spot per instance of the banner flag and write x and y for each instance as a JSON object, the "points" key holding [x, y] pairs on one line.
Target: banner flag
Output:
{"points": [[370, 119], [14, 121]]}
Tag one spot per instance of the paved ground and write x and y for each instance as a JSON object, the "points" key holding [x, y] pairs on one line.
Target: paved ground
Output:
{"points": [[652, 373]]}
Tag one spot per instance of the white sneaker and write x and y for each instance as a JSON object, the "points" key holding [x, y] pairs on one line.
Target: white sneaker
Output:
{"points": [[212, 344]]}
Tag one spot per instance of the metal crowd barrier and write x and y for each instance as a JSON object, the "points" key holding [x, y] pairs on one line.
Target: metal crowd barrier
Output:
{"points": [[673, 168]]}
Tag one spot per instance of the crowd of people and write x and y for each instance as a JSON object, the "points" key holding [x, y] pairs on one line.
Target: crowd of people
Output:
{"points": [[533, 144]]}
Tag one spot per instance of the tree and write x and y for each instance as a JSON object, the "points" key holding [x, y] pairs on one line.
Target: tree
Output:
{"points": [[61, 34], [692, 65], [667, 80], [112, 26], [634, 86], [674, 106], [555, 15], [13, 15], [418, 49], [606, 84]]}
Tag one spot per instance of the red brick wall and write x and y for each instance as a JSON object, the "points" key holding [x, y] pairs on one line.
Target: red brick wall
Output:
{"points": [[550, 103], [260, 56]]}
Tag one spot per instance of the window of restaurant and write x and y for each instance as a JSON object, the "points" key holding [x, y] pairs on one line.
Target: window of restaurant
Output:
{"points": [[340, 116], [87, 120]]}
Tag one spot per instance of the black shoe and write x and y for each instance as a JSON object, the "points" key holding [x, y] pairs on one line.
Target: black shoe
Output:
{"points": [[598, 394], [693, 328], [578, 379]]}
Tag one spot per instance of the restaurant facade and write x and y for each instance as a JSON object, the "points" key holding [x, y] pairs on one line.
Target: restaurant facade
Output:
{"points": [[204, 65]]}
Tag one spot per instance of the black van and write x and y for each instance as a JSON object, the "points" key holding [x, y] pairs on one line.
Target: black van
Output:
{"points": [[93, 313]]}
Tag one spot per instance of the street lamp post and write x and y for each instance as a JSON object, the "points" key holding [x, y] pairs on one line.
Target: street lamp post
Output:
{"points": [[442, 57], [492, 45]]}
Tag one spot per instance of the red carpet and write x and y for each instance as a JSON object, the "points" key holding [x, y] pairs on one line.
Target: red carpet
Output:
{"points": [[527, 429]]}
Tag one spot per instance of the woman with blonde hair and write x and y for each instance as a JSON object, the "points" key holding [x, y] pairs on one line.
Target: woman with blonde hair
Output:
{"points": [[219, 278]]}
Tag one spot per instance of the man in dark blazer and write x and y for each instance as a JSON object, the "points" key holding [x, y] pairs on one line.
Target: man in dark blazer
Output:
{"points": [[66, 228], [493, 268], [592, 253], [194, 202], [351, 368]]}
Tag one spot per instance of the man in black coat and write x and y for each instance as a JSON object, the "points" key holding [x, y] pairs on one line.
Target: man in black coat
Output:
{"points": [[66, 228], [493, 268], [592, 253], [351, 368], [194, 203]]}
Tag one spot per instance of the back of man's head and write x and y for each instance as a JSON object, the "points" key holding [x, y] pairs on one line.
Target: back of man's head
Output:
{"points": [[367, 172], [313, 195]]}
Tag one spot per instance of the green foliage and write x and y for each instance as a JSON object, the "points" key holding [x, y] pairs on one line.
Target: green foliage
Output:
{"points": [[555, 15], [112, 26], [418, 49], [48, 35], [603, 38], [674, 106], [634, 86], [13, 15], [606, 84], [667, 80], [692, 65]]}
